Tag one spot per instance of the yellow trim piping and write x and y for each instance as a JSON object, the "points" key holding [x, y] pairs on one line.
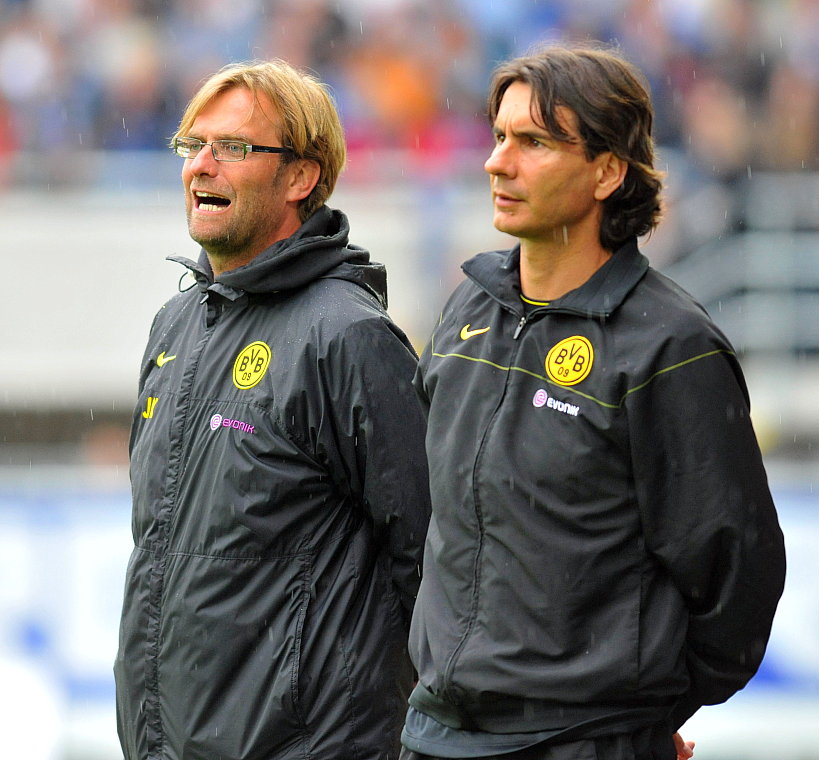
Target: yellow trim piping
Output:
{"points": [[598, 401], [533, 303]]}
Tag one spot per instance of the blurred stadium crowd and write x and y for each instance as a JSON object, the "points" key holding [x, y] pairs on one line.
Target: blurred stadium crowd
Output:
{"points": [[736, 82]]}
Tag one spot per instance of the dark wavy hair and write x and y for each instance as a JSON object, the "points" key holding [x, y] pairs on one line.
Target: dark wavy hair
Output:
{"points": [[610, 98]]}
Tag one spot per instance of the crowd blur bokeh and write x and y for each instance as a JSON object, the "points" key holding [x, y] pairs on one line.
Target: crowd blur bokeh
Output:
{"points": [[735, 82], [91, 90]]}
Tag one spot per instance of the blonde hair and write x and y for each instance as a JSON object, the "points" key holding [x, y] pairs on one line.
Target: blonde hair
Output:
{"points": [[310, 124]]}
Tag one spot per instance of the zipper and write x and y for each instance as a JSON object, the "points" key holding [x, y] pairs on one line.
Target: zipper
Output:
{"points": [[474, 607], [541, 311], [170, 503]]}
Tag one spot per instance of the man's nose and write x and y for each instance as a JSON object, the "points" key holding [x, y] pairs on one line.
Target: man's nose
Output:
{"points": [[203, 162], [499, 161]]}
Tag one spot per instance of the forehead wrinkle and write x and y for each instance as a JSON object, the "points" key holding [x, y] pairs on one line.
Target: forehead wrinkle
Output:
{"points": [[258, 103], [520, 124], [234, 136], [236, 133], [507, 111], [562, 115]]}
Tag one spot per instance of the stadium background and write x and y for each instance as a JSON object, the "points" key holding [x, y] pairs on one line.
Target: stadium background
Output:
{"points": [[90, 205]]}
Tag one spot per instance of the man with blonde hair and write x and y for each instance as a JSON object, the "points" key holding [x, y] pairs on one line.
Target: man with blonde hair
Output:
{"points": [[277, 527]]}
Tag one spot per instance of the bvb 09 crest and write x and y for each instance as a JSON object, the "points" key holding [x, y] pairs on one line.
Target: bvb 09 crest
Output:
{"points": [[251, 364], [570, 361]]}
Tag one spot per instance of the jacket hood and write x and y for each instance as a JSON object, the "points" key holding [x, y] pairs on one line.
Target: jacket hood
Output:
{"points": [[498, 273], [319, 248]]}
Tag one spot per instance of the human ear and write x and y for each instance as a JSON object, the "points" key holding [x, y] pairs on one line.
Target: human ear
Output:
{"points": [[304, 176], [611, 173]]}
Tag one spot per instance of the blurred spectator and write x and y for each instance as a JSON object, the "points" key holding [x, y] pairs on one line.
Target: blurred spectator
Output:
{"points": [[8, 142], [792, 99], [419, 93], [648, 33], [310, 34], [791, 134], [199, 36], [31, 80], [397, 79], [717, 128], [120, 79]]}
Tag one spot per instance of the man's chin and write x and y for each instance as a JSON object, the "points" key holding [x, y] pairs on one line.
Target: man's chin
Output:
{"points": [[503, 223], [219, 245]]}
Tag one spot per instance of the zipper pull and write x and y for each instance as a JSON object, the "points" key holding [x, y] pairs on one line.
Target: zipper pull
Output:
{"points": [[519, 327]]}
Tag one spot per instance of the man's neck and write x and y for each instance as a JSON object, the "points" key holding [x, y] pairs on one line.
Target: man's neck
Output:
{"points": [[548, 272], [221, 264]]}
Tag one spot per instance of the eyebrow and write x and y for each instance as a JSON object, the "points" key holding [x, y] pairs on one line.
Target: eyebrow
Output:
{"points": [[541, 134], [537, 134], [224, 136]]}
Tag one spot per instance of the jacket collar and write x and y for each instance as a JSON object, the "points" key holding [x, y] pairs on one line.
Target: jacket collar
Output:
{"points": [[498, 273], [319, 248]]}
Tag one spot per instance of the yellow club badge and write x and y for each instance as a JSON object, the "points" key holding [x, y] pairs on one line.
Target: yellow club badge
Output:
{"points": [[251, 364], [570, 361]]}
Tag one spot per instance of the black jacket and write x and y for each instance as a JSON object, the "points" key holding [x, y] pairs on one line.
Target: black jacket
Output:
{"points": [[603, 551], [280, 501]]}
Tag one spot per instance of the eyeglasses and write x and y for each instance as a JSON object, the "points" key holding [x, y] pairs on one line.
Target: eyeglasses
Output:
{"points": [[223, 150]]}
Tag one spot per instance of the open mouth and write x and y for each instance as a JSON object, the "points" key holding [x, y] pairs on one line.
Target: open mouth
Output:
{"points": [[210, 202]]}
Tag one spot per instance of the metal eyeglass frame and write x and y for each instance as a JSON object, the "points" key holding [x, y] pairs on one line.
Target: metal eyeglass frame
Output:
{"points": [[183, 145]]}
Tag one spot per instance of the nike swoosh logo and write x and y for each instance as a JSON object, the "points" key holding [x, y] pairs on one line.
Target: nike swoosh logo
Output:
{"points": [[466, 333], [162, 359]]}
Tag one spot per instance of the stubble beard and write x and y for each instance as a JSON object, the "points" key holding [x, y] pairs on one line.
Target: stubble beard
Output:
{"points": [[224, 246], [235, 244]]}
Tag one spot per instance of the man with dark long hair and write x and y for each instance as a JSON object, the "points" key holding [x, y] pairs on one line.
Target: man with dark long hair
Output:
{"points": [[604, 556]]}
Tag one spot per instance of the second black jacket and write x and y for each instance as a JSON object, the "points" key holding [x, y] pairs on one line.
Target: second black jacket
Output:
{"points": [[604, 553]]}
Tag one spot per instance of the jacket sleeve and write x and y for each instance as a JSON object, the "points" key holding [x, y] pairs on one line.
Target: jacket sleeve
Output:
{"points": [[708, 516], [380, 436]]}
